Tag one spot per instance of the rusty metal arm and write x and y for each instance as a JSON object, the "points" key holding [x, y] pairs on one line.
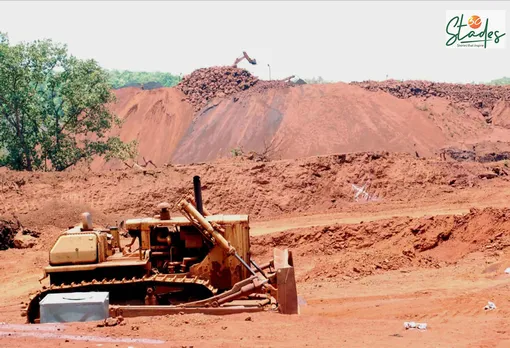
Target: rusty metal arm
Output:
{"points": [[240, 289], [192, 201], [217, 238], [288, 78], [245, 56], [252, 61]]}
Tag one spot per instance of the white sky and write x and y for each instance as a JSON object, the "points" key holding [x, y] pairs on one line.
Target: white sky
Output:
{"points": [[340, 41]]}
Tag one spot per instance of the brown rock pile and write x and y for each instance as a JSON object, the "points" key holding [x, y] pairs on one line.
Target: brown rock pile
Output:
{"points": [[13, 235], [8, 230], [482, 97], [205, 84]]}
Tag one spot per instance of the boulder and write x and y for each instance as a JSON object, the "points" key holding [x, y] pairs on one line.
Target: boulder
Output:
{"points": [[24, 241]]}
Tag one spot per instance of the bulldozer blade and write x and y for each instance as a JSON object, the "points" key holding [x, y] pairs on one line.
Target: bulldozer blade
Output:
{"points": [[286, 282]]}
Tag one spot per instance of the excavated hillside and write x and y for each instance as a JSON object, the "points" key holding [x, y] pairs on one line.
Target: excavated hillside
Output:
{"points": [[480, 96], [290, 122], [264, 190], [309, 120], [216, 111], [355, 251]]}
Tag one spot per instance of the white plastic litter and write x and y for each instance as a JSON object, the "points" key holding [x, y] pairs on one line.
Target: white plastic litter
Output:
{"points": [[507, 271], [490, 306], [412, 325]]}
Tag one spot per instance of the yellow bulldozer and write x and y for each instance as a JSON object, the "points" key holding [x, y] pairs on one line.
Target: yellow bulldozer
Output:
{"points": [[195, 263]]}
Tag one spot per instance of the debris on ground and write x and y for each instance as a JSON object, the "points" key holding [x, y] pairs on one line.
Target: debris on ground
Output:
{"points": [[490, 306], [412, 325], [112, 322], [507, 271]]}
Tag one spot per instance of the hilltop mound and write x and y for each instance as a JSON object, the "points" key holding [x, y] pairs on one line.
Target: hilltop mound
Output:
{"points": [[310, 120], [217, 110]]}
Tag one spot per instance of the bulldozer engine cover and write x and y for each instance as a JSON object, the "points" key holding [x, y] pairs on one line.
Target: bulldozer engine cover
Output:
{"points": [[72, 249]]}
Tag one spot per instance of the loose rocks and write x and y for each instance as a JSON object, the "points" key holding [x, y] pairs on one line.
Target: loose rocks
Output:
{"points": [[205, 84], [480, 96]]}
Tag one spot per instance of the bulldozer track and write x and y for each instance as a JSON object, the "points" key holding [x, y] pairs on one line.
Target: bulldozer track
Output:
{"points": [[31, 310]]}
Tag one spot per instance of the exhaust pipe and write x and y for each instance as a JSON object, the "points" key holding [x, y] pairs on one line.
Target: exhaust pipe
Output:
{"points": [[198, 194]]}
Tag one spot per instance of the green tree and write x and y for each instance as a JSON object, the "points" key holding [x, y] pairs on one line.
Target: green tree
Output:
{"points": [[124, 78], [501, 82], [316, 81], [53, 107]]}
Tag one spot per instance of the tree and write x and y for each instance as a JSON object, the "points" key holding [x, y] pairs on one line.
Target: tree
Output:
{"points": [[119, 79], [316, 81], [53, 107], [501, 81]]}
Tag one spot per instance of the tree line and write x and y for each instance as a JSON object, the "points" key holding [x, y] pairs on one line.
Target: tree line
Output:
{"points": [[500, 82], [54, 108], [125, 78]]}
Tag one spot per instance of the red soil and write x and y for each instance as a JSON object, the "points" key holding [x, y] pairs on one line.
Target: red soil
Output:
{"points": [[157, 119], [358, 282], [298, 121]]}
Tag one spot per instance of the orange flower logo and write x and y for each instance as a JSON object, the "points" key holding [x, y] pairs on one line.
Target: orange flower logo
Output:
{"points": [[474, 22]]}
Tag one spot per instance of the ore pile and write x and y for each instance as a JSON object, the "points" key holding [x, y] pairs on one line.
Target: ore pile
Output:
{"points": [[205, 84], [482, 97]]}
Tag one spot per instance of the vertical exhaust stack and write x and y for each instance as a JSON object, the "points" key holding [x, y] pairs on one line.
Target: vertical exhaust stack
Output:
{"points": [[197, 186]]}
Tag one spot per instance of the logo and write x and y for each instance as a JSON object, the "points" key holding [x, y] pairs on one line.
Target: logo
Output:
{"points": [[475, 29], [474, 22]]}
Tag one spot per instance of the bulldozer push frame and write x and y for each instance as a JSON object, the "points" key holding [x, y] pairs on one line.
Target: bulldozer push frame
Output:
{"points": [[195, 263]]}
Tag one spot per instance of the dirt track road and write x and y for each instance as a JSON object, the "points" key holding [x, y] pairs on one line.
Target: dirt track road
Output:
{"points": [[259, 228]]}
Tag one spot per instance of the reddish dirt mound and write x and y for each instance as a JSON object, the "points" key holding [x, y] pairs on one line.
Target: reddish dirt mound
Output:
{"points": [[501, 114], [157, 119], [374, 247], [483, 97], [205, 84], [61, 214], [301, 121], [310, 120]]}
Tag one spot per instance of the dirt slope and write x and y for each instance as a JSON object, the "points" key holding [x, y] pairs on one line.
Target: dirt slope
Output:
{"points": [[157, 119], [370, 248], [264, 190], [300, 121], [310, 120]]}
